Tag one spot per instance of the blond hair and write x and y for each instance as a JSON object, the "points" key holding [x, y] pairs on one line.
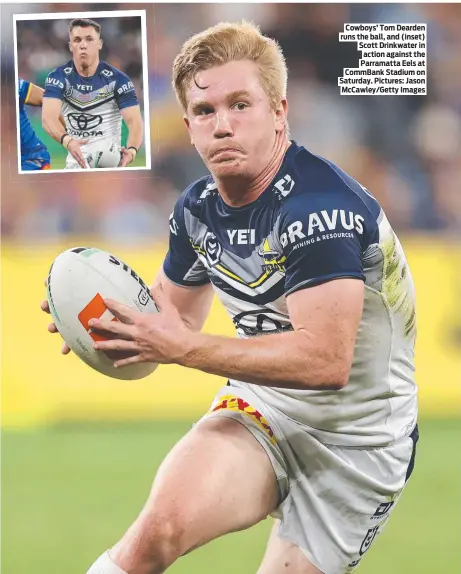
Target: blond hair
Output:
{"points": [[227, 42]]}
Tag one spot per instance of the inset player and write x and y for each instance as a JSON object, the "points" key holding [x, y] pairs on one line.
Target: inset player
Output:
{"points": [[93, 97]]}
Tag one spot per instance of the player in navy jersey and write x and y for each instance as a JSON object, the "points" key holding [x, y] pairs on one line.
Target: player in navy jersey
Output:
{"points": [[317, 424], [93, 97], [34, 153]]}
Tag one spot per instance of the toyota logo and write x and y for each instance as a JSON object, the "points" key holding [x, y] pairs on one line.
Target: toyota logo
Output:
{"points": [[84, 121]]}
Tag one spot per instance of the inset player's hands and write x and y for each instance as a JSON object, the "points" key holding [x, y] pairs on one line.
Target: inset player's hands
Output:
{"points": [[73, 147], [52, 327], [128, 156]]}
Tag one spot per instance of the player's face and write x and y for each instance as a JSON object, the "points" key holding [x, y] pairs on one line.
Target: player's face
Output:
{"points": [[85, 45], [231, 122]]}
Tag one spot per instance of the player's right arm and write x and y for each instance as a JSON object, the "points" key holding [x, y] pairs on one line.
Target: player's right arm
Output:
{"points": [[183, 279], [52, 117], [192, 303]]}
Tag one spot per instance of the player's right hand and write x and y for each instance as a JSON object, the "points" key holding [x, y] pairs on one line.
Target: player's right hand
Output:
{"points": [[73, 147], [52, 327]]}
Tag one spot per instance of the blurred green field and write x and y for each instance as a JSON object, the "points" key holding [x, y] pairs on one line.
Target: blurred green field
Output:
{"points": [[69, 492]]}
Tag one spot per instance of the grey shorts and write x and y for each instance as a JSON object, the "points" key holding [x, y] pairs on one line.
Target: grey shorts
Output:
{"points": [[334, 501]]}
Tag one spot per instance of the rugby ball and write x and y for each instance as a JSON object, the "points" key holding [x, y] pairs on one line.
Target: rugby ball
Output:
{"points": [[106, 153], [78, 282]]}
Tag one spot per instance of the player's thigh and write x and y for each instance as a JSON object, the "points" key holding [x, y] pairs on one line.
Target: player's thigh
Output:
{"points": [[217, 479], [282, 556]]}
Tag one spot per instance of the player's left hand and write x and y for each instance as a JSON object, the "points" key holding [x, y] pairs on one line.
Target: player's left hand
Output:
{"points": [[128, 156], [153, 338]]}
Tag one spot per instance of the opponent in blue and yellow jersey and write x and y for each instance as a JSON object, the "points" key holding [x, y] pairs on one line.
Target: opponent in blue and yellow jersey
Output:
{"points": [[34, 154]]}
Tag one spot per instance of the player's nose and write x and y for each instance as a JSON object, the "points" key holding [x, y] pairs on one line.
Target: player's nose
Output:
{"points": [[223, 126]]}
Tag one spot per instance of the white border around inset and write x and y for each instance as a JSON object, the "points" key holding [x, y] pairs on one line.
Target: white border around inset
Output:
{"points": [[145, 79]]}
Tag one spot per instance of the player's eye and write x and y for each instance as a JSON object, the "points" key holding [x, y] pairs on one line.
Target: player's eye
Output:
{"points": [[240, 106], [204, 111]]}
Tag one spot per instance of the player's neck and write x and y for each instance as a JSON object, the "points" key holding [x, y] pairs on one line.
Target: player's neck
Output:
{"points": [[87, 71], [238, 192]]}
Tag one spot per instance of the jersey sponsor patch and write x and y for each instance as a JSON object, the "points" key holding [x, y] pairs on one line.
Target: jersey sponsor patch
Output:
{"points": [[82, 121], [334, 223]]}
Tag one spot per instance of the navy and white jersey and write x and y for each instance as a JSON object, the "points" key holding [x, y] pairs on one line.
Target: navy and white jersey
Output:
{"points": [[91, 105], [313, 223]]}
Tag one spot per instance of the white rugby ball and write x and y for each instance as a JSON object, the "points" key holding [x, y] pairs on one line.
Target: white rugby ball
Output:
{"points": [[106, 153], [78, 282]]}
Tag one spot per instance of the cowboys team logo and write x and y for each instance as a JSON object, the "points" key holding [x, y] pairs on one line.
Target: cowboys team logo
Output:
{"points": [[272, 260], [83, 121], [212, 248]]}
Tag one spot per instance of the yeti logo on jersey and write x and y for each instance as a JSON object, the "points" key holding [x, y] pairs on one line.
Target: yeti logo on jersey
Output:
{"points": [[272, 260], [242, 236], [284, 185], [322, 222], [107, 73], [212, 248]]}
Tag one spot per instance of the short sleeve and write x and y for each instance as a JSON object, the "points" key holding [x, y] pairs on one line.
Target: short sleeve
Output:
{"points": [[54, 85], [125, 93], [323, 237], [23, 91], [182, 265]]}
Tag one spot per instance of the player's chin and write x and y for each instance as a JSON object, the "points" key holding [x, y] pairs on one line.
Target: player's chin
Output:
{"points": [[228, 168]]}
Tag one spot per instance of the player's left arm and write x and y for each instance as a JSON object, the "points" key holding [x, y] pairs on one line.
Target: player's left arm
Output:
{"points": [[133, 119], [125, 95]]}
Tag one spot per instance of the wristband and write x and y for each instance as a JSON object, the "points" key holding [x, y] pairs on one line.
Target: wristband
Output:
{"points": [[132, 147], [68, 142], [63, 136]]}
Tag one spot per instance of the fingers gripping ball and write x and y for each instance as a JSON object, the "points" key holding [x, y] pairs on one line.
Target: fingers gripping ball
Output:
{"points": [[105, 154], [79, 281]]}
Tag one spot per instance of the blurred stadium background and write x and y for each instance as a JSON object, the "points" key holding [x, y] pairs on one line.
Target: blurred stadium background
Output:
{"points": [[80, 450]]}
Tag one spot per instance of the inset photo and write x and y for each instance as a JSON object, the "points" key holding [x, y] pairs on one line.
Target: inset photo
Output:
{"points": [[82, 91]]}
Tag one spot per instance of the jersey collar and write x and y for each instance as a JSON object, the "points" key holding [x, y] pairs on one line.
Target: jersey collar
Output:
{"points": [[267, 194]]}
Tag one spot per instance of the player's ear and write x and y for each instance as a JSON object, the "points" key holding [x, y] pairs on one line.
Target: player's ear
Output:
{"points": [[100, 43], [281, 112], [187, 122]]}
